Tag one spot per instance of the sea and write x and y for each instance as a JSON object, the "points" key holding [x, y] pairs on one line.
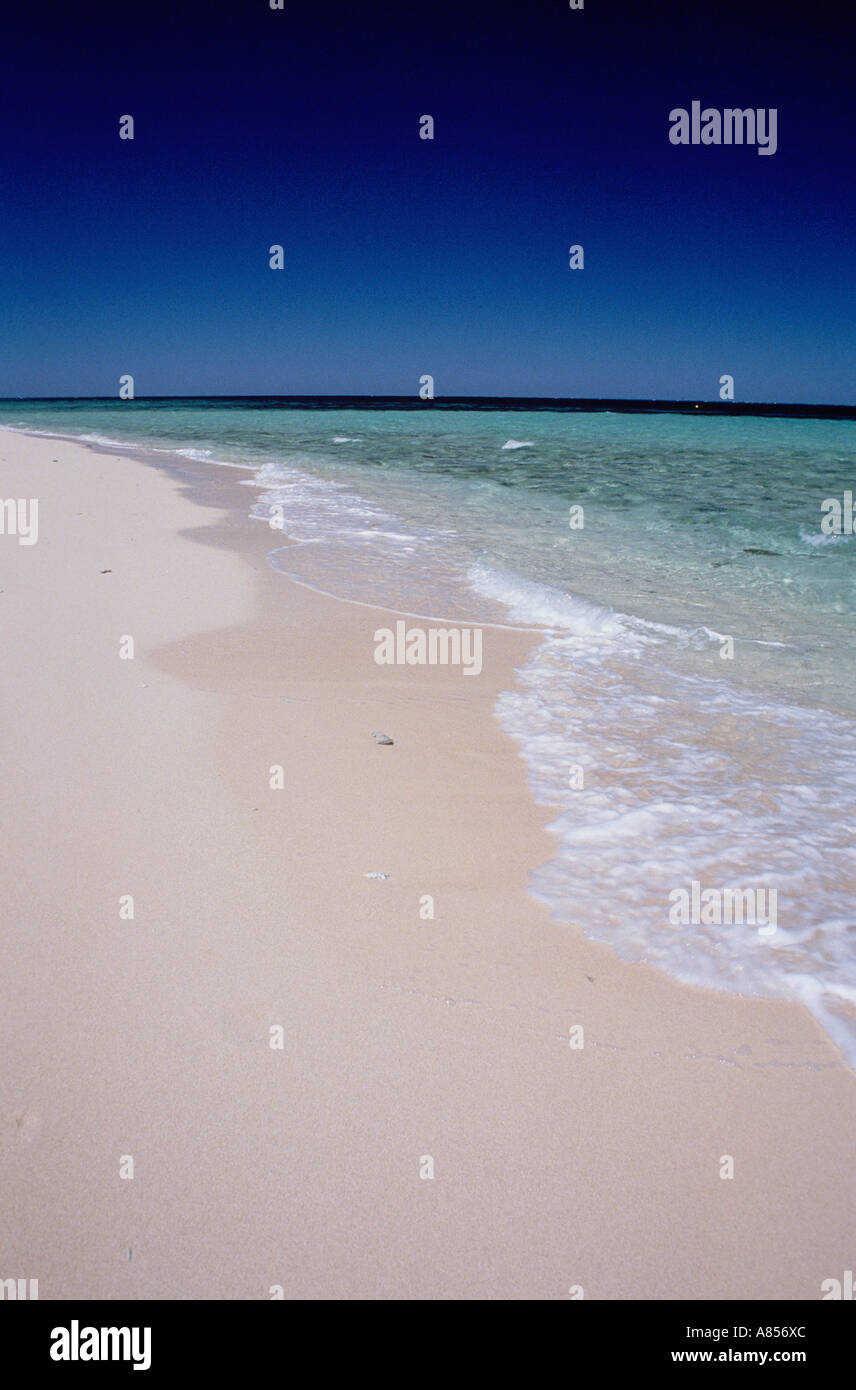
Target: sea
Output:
{"points": [[688, 709]]}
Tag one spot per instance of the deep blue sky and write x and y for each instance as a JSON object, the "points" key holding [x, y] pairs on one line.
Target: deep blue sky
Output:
{"points": [[406, 256]]}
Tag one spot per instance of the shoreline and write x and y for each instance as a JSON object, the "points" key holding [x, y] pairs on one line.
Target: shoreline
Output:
{"points": [[404, 1037]]}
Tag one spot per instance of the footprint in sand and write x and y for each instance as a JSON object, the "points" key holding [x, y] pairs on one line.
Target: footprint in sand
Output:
{"points": [[27, 1126]]}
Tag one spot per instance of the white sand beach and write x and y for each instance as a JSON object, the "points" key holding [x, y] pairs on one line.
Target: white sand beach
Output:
{"points": [[405, 1038]]}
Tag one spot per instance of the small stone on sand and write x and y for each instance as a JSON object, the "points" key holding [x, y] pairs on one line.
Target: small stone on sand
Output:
{"points": [[381, 738]]}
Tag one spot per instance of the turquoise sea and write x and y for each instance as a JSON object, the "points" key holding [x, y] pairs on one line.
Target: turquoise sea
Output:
{"points": [[689, 708]]}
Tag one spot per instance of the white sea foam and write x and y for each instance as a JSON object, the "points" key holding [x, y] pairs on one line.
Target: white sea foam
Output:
{"points": [[685, 778], [532, 603], [75, 437], [318, 508], [107, 441], [110, 442], [819, 538]]}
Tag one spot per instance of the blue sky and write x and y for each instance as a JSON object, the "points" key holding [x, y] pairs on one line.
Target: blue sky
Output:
{"points": [[405, 256]]}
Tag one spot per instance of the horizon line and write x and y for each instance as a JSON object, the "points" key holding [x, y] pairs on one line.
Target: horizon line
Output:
{"points": [[384, 401]]}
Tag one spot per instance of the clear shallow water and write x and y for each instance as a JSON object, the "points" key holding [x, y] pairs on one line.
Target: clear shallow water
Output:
{"points": [[738, 773]]}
